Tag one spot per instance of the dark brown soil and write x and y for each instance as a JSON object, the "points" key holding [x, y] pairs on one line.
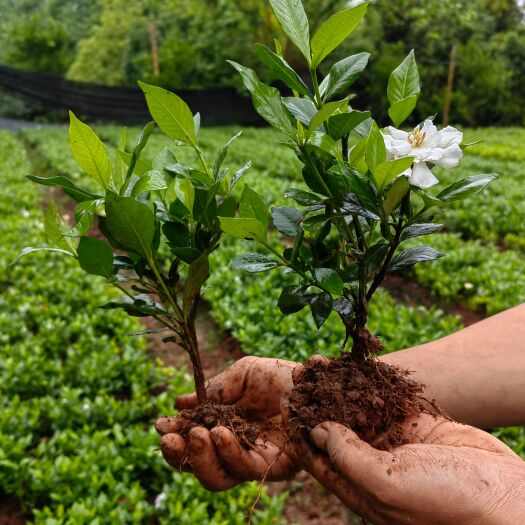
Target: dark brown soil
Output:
{"points": [[10, 511], [209, 415], [368, 396]]}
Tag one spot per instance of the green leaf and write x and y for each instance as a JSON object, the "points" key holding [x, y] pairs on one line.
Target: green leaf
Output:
{"points": [[30, 249], [374, 259], [305, 198], [187, 254], [254, 262], [343, 74], [293, 299], [466, 187], [140, 306], [352, 206], [171, 113], [293, 21], [303, 109], [177, 234], [399, 111], [222, 155], [404, 80], [335, 31], [325, 143], [55, 229], [375, 148], [95, 257], [152, 181], [119, 173], [266, 100], [141, 166], [321, 306], [342, 124], [329, 280], [418, 230], [137, 150], [324, 113], [287, 220], [411, 256], [252, 206], [386, 172], [89, 152], [198, 272], [357, 156], [185, 193], [395, 194], [243, 228], [239, 174], [364, 190], [132, 224], [282, 70], [79, 194]]}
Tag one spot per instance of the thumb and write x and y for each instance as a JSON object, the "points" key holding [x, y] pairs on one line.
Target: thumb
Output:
{"points": [[359, 462]]}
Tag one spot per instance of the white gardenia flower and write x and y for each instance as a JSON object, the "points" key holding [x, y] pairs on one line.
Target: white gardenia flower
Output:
{"points": [[426, 144]]}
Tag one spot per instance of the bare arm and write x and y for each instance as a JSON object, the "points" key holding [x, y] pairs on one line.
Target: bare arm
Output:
{"points": [[477, 374]]}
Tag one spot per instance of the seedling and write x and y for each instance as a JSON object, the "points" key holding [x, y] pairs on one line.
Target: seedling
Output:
{"points": [[148, 213]]}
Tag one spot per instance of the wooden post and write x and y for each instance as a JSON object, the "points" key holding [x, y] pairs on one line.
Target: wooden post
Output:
{"points": [[153, 39], [450, 84]]}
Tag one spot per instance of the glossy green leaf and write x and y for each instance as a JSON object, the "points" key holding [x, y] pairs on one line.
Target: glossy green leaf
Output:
{"points": [[335, 31], [243, 228], [254, 262], [386, 172], [266, 100], [293, 299], [79, 194], [171, 113], [222, 155], [324, 113], [399, 111], [132, 224], [343, 74], [325, 143], [342, 124], [89, 152], [466, 187], [153, 180], [329, 280], [292, 18], [411, 256], [418, 230], [95, 257], [251, 206], [287, 220], [282, 70], [321, 306], [375, 148], [395, 194], [185, 192], [29, 249], [303, 109], [302, 197], [198, 272], [404, 80], [55, 229]]}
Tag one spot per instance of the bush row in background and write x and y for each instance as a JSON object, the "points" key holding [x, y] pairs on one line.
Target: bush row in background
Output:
{"points": [[77, 393]]}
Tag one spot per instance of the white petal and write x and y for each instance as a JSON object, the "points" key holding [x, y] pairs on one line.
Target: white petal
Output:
{"points": [[430, 130], [448, 157], [397, 134], [449, 136], [422, 177]]}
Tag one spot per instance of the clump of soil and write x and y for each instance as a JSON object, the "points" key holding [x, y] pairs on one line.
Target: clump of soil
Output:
{"points": [[209, 415], [368, 396]]}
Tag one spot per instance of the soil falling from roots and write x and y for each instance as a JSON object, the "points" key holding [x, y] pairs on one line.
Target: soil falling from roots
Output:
{"points": [[368, 396], [209, 415]]}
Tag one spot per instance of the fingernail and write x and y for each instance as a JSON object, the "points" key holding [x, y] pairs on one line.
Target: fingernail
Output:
{"points": [[319, 436]]}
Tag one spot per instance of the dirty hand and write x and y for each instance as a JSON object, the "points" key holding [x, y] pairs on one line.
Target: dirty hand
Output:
{"points": [[448, 474], [215, 456]]}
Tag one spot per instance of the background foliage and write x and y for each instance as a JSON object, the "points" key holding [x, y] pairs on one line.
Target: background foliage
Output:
{"points": [[108, 42]]}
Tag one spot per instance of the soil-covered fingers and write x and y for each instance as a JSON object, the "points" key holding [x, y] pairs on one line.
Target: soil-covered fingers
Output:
{"points": [[168, 425], [264, 461], [174, 450], [204, 462]]}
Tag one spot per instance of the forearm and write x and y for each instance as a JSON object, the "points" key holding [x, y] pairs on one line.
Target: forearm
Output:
{"points": [[477, 374]]}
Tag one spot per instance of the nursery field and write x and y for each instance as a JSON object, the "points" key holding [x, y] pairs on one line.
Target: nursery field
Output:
{"points": [[78, 394]]}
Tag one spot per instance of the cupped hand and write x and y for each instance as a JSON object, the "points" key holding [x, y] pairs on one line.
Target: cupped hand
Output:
{"points": [[448, 473], [215, 456]]}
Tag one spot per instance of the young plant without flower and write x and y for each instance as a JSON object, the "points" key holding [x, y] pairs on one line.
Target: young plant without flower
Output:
{"points": [[366, 194]]}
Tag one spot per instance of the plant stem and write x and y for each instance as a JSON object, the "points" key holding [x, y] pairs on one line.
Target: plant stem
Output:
{"points": [[318, 100]]}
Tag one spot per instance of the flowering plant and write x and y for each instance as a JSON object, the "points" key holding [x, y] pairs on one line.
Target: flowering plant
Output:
{"points": [[366, 189]]}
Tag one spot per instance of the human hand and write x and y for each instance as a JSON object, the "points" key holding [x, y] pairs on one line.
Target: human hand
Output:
{"points": [[215, 456], [449, 473]]}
